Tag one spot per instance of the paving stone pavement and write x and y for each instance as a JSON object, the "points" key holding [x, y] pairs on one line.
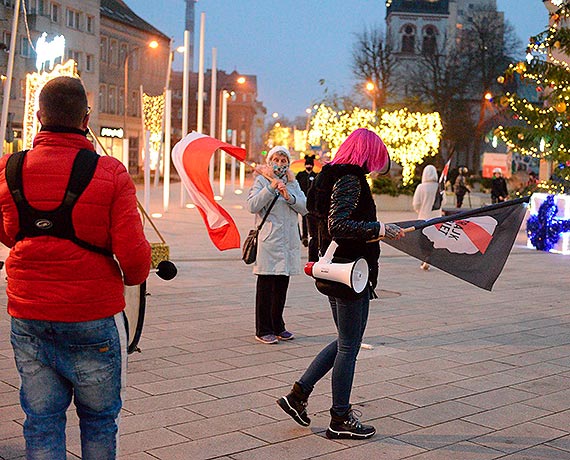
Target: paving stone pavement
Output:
{"points": [[453, 372]]}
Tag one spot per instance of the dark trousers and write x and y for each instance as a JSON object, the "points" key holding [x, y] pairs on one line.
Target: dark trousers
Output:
{"points": [[270, 296]]}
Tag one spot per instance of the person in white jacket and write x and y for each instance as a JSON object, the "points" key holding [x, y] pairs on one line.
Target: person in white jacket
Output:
{"points": [[279, 243], [425, 198]]}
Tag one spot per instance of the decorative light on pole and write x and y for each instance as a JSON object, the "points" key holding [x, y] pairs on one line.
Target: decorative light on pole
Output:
{"points": [[153, 45]]}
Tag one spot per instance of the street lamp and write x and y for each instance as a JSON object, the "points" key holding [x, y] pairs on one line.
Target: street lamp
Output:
{"points": [[371, 88], [153, 45]]}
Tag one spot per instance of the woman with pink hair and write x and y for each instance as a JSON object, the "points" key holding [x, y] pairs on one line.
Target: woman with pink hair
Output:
{"points": [[341, 202]]}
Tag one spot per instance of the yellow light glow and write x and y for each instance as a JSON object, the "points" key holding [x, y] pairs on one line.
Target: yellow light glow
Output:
{"points": [[370, 86], [409, 136], [34, 84], [241, 80], [153, 44], [153, 114]]}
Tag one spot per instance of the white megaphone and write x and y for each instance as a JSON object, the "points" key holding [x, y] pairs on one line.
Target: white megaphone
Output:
{"points": [[353, 274]]}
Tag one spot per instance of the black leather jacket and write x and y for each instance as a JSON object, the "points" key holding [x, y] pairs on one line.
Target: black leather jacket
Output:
{"points": [[342, 203]]}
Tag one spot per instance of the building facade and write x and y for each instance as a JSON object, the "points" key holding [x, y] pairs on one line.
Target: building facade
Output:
{"points": [[127, 63], [79, 25]]}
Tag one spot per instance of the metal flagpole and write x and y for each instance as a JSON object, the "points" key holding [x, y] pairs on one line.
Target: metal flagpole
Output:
{"points": [[213, 93], [185, 92], [200, 115], [9, 73]]}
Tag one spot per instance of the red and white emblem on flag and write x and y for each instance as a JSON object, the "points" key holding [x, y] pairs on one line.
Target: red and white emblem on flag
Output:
{"points": [[467, 236]]}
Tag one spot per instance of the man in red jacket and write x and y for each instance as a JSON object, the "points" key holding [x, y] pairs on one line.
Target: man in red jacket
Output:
{"points": [[66, 272]]}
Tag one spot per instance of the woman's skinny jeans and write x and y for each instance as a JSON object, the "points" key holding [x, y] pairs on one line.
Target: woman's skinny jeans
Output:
{"points": [[350, 317]]}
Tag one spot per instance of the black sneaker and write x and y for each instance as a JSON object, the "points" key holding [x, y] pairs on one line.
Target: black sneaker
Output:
{"points": [[295, 404], [349, 427]]}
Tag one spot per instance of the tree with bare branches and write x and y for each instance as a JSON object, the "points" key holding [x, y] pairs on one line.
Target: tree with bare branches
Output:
{"points": [[373, 61]]}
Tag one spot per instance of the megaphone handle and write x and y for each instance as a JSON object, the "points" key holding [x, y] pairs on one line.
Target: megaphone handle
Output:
{"points": [[329, 253], [380, 238]]}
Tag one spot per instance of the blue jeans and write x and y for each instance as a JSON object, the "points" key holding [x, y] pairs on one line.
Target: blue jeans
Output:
{"points": [[350, 317], [59, 361]]}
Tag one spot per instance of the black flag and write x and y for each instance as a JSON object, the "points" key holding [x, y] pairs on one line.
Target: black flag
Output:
{"points": [[472, 245]]}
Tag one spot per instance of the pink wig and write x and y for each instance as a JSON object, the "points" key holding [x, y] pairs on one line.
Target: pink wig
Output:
{"points": [[364, 148]]}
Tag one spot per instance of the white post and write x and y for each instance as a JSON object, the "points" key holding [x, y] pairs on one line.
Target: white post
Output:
{"points": [[200, 115], [223, 138], [185, 96], [213, 93], [167, 129], [147, 171], [126, 151], [242, 171], [233, 171], [9, 73]]}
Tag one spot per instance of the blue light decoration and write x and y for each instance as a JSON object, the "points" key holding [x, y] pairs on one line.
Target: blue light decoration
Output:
{"points": [[546, 231]]}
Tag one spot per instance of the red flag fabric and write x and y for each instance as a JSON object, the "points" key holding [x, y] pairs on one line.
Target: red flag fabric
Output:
{"points": [[472, 245], [191, 158]]}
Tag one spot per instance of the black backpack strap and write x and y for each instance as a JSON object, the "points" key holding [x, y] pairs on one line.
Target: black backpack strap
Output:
{"points": [[82, 172], [13, 173]]}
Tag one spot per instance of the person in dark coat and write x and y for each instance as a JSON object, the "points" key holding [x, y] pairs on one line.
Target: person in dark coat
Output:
{"points": [[343, 205], [460, 187], [499, 192], [309, 226]]}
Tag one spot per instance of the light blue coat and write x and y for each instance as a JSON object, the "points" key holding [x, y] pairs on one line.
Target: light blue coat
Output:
{"points": [[278, 247]]}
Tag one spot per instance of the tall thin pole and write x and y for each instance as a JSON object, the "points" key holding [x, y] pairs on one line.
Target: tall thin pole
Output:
{"points": [[200, 115], [223, 138], [185, 93], [9, 73], [233, 162], [213, 93], [167, 128]]}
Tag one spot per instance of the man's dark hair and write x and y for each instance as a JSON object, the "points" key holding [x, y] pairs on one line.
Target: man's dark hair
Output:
{"points": [[63, 102]]}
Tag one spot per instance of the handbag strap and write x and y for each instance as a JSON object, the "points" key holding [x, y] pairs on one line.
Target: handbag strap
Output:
{"points": [[267, 212]]}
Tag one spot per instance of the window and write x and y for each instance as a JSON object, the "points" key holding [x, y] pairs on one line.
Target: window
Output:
{"points": [[112, 99], [102, 98], [429, 44], [123, 50], [25, 48], [103, 49], [408, 39], [113, 52], [90, 24], [72, 18], [36, 7], [76, 56], [89, 62], [121, 101], [54, 12]]}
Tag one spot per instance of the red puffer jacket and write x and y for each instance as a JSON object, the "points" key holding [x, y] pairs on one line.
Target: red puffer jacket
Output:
{"points": [[53, 279]]}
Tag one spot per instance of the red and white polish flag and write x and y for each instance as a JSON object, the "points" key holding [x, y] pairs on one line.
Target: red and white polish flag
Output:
{"points": [[472, 245], [191, 158]]}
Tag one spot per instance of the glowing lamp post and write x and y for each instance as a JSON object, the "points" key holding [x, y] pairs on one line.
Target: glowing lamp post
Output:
{"points": [[153, 45]]}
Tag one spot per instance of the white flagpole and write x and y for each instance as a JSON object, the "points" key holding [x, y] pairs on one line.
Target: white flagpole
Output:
{"points": [[223, 138], [167, 127], [9, 74], [213, 92], [233, 170], [200, 115], [185, 96]]}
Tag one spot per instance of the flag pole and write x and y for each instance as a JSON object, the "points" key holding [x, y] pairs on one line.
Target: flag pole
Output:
{"points": [[460, 215]]}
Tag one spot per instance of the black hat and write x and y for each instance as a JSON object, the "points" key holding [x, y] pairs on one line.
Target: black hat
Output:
{"points": [[309, 160]]}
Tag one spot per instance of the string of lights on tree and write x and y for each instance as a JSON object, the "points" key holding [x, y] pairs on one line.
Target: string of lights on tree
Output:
{"points": [[545, 132], [409, 136]]}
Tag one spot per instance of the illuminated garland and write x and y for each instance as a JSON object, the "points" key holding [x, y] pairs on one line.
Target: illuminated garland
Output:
{"points": [[547, 131], [409, 136], [153, 114], [544, 229], [34, 84]]}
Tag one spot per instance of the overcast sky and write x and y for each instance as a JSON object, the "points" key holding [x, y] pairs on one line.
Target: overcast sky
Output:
{"points": [[293, 44]]}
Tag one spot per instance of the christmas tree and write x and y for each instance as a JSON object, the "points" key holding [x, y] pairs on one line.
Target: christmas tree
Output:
{"points": [[542, 129]]}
